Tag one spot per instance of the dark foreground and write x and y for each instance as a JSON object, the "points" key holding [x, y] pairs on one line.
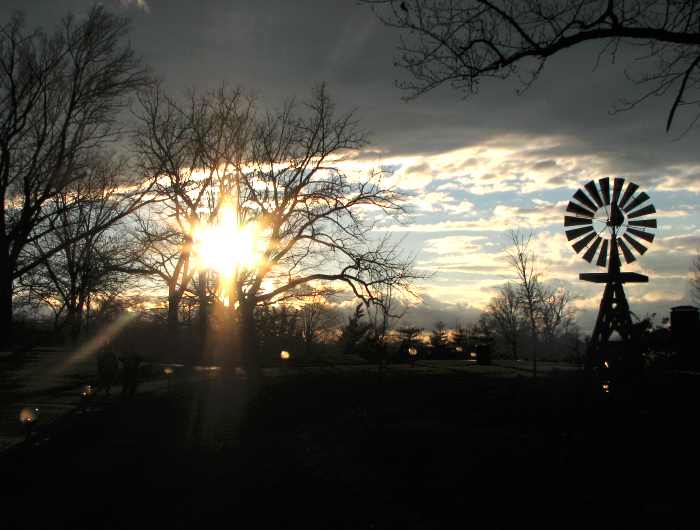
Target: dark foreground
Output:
{"points": [[481, 449]]}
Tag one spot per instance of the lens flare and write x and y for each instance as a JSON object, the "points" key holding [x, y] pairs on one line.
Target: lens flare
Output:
{"points": [[226, 245], [28, 416]]}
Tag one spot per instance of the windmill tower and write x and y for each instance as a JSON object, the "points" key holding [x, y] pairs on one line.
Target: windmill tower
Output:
{"points": [[602, 226]]}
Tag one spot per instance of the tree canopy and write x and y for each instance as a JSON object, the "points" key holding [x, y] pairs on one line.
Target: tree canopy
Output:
{"points": [[463, 42]]}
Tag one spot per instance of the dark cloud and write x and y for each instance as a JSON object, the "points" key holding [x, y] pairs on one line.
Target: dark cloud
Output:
{"points": [[278, 49], [545, 164]]}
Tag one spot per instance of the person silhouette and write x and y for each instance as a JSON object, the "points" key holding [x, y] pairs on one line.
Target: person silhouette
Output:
{"points": [[107, 368], [131, 362]]}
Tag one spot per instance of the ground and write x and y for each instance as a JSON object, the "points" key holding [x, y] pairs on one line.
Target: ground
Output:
{"points": [[353, 447]]}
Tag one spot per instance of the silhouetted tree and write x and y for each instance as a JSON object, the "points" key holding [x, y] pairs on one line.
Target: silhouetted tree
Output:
{"points": [[409, 336], [521, 258], [312, 217], [316, 317], [547, 311], [192, 148], [381, 315], [555, 312], [439, 340], [94, 262], [354, 334], [280, 173], [505, 311], [463, 42], [60, 95], [460, 339]]}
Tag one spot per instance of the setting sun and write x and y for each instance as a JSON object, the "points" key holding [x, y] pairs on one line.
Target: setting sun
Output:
{"points": [[227, 246]]}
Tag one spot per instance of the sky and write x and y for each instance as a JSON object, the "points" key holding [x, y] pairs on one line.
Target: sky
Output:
{"points": [[473, 167]]}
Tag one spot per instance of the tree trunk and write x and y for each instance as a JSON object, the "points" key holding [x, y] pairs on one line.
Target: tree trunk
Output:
{"points": [[6, 328], [6, 323], [249, 344], [172, 314], [73, 324], [203, 315], [533, 336]]}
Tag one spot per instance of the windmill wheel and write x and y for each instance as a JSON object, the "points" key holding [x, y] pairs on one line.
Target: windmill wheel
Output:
{"points": [[595, 218]]}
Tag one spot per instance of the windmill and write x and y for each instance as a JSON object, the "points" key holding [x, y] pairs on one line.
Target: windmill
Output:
{"points": [[602, 225]]}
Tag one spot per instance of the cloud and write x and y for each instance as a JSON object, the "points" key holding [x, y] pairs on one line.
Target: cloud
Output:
{"points": [[529, 164], [138, 4], [539, 213], [440, 202]]}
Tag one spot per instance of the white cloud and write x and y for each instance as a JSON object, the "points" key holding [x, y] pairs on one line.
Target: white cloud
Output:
{"points": [[503, 217]]}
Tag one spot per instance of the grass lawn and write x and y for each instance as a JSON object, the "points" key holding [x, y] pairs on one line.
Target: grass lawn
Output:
{"points": [[350, 448]]}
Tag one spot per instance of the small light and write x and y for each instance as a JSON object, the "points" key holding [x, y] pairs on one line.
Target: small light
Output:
{"points": [[88, 392], [606, 388], [285, 355], [472, 355], [459, 349], [605, 363], [28, 416], [412, 351], [168, 371]]}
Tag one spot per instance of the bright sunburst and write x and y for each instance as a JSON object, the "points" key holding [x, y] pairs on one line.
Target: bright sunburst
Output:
{"points": [[226, 246]]}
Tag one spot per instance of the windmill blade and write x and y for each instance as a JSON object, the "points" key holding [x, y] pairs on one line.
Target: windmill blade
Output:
{"points": [[631, 188], [605, 189], [644, 235], [593, 192], [575, 221], [575, 208], [603, 256], [588, 256], [636, 244], [644, 211], [581, 243], [583, 199], [578, 232], [639, 199], [649, 223], [617, 188], [629, 257]]}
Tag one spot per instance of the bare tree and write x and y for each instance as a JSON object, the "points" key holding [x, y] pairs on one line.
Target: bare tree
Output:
{"points": [[316, 316], [521, 258], [556, 314], [462, 42], [83, 221], [192, 148], [547, 311], [381, 315], [410, 335], [354, 334], [214, 159], [60, 95], [316, 221], [505, 311]]}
